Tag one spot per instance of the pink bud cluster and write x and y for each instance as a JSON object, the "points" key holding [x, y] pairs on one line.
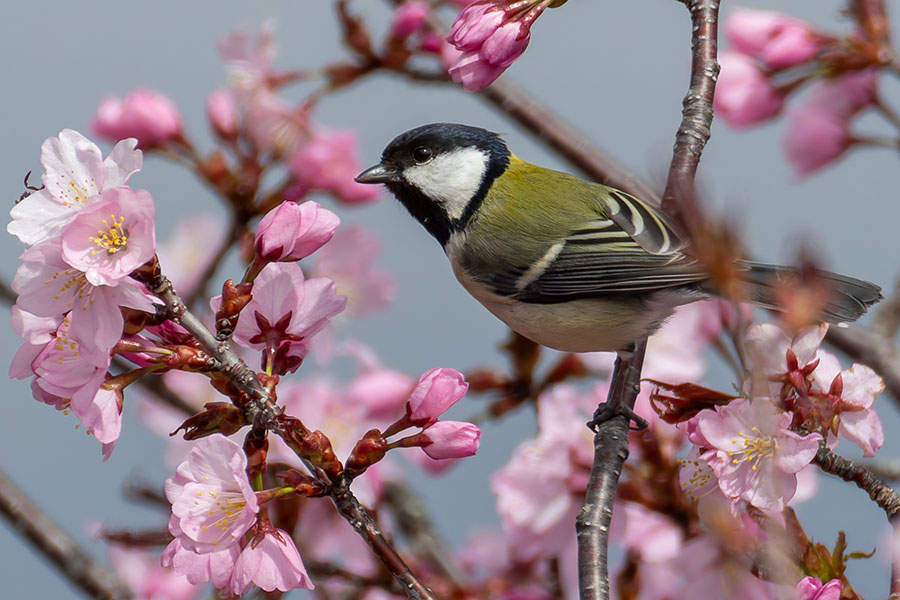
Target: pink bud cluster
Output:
{"points": [[759, 73], [489, 36]]}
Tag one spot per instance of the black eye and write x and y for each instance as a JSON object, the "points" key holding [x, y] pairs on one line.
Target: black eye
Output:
{"points": [[422, 154]]}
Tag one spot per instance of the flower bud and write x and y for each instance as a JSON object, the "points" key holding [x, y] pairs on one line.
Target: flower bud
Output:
{"points": [[293, 231], [222, 114], [451, 439], [437, 391], [143, 114]]}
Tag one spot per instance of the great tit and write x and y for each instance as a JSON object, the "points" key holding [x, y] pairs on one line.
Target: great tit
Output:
{"points": [[570, 264]]}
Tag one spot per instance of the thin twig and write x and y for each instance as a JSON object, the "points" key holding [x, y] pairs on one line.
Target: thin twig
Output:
{"points": [[881, 493], [358, 517], [610, 452], [55, 545]]}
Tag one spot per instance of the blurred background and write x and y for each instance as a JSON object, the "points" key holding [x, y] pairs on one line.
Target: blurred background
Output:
{"points": [[617, 71]]}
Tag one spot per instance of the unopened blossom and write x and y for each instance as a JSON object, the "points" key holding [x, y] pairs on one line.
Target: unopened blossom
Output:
{"points": [[818, 130], [490, 39], [349, 260], [451, 439], [778, 39], [49, 287], [112, 237], [270, 562], [144, 114], [292, 231], [213, 504], [329, 162], [285, 306], [436, 391], [74, 173], [221, 110], [147, 578], [753, 453], [812, 588], [744, 94], [408, 18]]}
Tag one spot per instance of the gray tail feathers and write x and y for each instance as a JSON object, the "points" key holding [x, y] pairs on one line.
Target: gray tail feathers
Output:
{"points": [[850, 297]]}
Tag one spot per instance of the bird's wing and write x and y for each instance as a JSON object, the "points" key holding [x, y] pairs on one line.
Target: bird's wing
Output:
{"points": [[629, 249]]}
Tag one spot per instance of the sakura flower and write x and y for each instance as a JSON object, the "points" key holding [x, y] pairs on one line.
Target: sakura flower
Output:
{"points": [[812, 588], [144, 114], [349, 259], [382, 391], [111, 237], [778, 39], [249, 59], [491, 36], [49, 287], [852, 393], [275, 126], [654, 535], [74, 173], [408, 18], [221, 110], [753, 453], [286, 307], [450, 439], [213, 504], [271, 562], [148, 579], [437, 391], [215, 566], [36, 332], [292, 231], [768, 351], [744, 94], [329, 162]]}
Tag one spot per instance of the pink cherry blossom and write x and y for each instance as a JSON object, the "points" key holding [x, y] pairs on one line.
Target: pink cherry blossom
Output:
{"points": [[49, 287], [286, 307], [111, 237], [215, 566], [859, 422], [437, 391], [148, 579], [74, 174], [753, 452], [249, 59], [744, 94], [408, 18], [655, 536], [144, 114], [274, 125], [474, 24], [271, 563], [778, 39], [382, 391], [292, 231], [329, 162], [349, 260], [221, 110], [451, 439], [213, 504], [811, 588], [36, 332], [767, 350]]}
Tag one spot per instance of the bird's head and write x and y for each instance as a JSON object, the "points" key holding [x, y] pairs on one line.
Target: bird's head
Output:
{"points": [[441, 173]]}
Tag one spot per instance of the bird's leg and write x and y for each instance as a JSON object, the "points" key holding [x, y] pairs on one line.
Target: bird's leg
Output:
{"points": [[613, 406]]}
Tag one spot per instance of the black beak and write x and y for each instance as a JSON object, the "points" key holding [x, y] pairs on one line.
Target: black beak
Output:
{"points": [[378, 174]]}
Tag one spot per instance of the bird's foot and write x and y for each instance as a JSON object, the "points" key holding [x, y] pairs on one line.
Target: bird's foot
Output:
{"points": [[608, 410]]}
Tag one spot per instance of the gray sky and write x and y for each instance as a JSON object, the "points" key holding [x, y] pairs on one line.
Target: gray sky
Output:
{"points": [[617, 70]]}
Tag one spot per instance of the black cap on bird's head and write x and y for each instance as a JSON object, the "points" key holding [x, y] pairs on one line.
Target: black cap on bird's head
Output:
{"points": [[441, 173]]}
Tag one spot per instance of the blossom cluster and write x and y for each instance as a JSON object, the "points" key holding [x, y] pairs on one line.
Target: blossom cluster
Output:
{"points": [[771, 56]]}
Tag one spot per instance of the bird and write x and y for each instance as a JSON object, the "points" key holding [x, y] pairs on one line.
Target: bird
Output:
{"points": [[573, 265]]}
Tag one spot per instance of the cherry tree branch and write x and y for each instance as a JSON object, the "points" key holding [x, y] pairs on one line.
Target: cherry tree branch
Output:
{"points": [[610, 453], [611, 439], [881, 493], [360, 519], [55, 545]]}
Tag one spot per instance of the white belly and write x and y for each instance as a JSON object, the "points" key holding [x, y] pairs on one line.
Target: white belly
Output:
{"points": [[579, 325]]}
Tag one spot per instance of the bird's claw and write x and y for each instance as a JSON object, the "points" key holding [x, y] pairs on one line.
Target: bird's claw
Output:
{"points": [[608, 410]]}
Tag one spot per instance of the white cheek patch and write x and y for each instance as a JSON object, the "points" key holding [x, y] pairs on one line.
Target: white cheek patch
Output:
{"points": [[451, 178]]}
